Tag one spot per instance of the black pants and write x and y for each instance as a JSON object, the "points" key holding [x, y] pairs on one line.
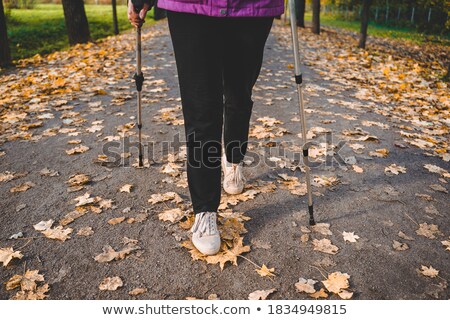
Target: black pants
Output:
{"points": [[218, 62]]}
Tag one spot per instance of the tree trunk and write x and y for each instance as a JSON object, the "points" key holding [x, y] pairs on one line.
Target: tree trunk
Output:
{"points": [[300, 11], [76, 22], [365, 12], [115, 22], [5, 53], [316, 16]]}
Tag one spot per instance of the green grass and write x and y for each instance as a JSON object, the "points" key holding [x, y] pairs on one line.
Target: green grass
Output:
{"points": [[380, 30], [42, 29]]}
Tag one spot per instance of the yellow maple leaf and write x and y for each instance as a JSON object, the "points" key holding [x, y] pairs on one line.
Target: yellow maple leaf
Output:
{"points": [[265, 272]]}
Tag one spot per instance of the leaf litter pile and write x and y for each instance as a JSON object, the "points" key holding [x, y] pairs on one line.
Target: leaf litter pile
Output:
{"points": [[55, 97]]}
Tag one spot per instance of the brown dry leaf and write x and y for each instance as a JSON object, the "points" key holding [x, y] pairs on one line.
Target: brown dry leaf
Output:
{"points": [[188, 223], [350, 236], [110, 254], [78, 179], [7, 254], [438, 187], [223, 256], [357, 169], [265, 272], [304, 237], [6, 176], [325, 245], [43, 225], [126, 188], [260, 294], [428, 230], [46, 172], [399, 246], [336, 282], [269, 122], [85, 231], [117, 220], [380, 153], [137, 291], [77, 150], [72, 216], [172, 215], [86, 199], [344, 294], [110, 284], [446, 243], [404, 236], [319, 294], [38, 294], [58, 233], [13, 282], [162, 197], [305, 285], [435, 169], [22, 187], [29, 279], [429, 271], [394, 169], [322, 228]]}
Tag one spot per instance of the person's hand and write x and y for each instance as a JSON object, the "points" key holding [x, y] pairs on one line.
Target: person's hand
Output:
{"points": [[138, 18]]}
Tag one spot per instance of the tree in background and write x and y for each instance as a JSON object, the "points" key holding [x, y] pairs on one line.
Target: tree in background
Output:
{"points": [[76, 21], [365, 13], [115, 22], [316, 16], [5, 53], [300, 12]]}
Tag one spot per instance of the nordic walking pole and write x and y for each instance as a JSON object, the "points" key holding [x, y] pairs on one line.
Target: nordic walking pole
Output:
{"points": [[299, 81], [139, 78]]}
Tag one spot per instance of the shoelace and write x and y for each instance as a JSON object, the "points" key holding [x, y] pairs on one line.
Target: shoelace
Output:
{"points": [[205, 223], [237, 175]]}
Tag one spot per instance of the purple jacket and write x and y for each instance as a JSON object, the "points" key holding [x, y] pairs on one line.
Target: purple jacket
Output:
{"points": [[226, 8]]}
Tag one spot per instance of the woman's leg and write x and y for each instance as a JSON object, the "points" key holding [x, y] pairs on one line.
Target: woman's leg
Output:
{"points": [[244, 46], [198, 48]]}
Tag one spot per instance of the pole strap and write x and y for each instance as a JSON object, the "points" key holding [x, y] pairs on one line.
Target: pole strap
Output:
{"points": [[139, 81], [299, 79]]}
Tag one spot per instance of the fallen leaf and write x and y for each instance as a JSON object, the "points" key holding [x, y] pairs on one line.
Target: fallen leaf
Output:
{"points": [[117, 220], [137, 291], [428, 230], [394, 169], [336, 282], [43, 225], [305, 285], [172, 215], [85, 231], [58, 233], [126, 188], [110, 254], [265, 272], [319, 294], [110, 284], [429, 271], [325, 245], [399, 246], [322, 228], [350, 236], [22, 187], [7, 254], [260, 294]]}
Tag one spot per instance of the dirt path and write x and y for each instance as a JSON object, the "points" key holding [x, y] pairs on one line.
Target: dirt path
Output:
{"points": [[372, 204]]}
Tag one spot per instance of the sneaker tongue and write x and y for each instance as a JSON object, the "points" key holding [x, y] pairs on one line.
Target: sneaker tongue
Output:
{"points": [[203, 223]]}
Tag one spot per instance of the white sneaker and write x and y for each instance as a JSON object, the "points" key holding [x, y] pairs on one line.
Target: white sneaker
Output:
{"points": [[205, 235], [234, 180]]}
